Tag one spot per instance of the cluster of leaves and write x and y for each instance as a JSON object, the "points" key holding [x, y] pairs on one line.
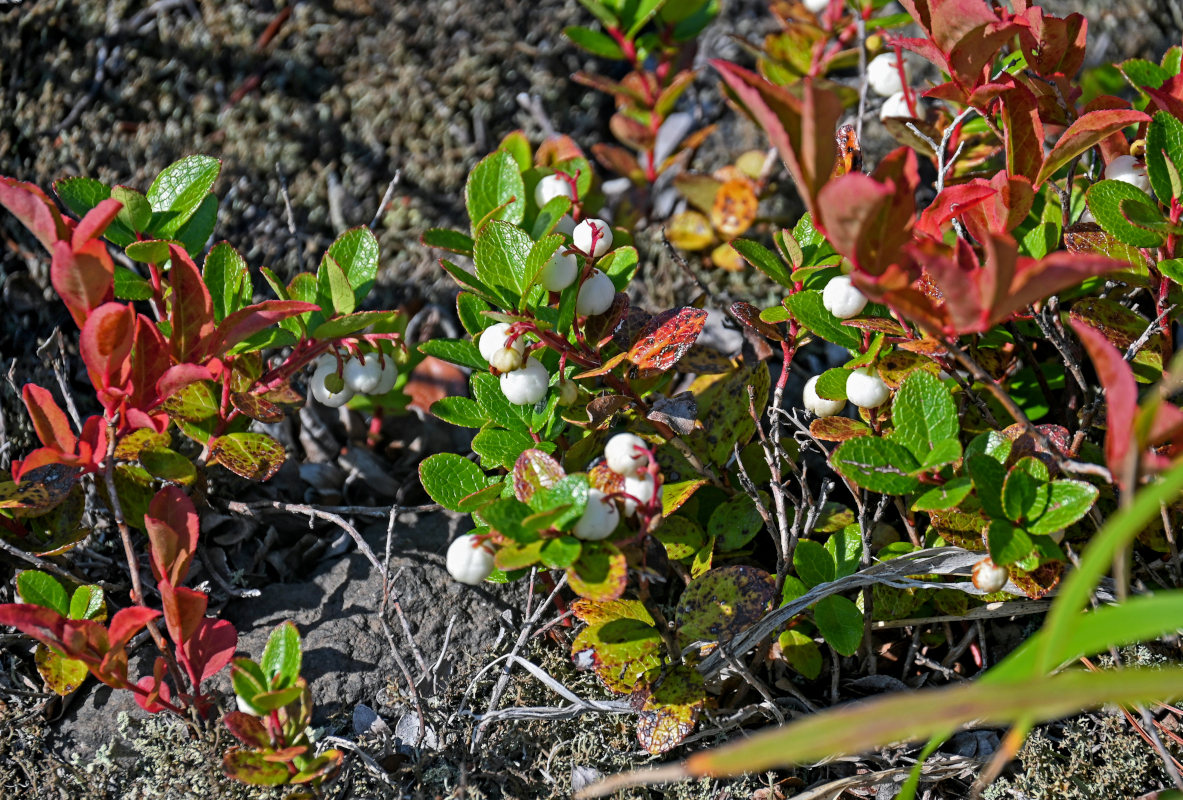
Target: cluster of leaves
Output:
{"points": [[181, 361], [977, 300]]}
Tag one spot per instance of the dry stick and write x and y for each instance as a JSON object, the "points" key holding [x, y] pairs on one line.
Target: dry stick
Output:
{"points": [[311, 511], [757, 684], [382, 206], [293, 231], [48, 566]]}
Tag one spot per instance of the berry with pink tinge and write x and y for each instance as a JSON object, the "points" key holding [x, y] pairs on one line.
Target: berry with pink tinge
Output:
{"points": [[470, 560], [599, 518], [640, 486], [626, 454], [817, 405], [559, 273], [493, 339], [551, 186], [591, 229], [595, 295], [525, 386], [842, 299], [989, 577], [866, 389]]}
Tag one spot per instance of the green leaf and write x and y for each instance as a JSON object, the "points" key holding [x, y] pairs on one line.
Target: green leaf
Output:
{"points": [[617, 641], [486, 390], [495, 185], [1020, 492], [178, 191], [149, 251], [801, 653], [80, 195], [924, 414], [501, 448], [444, 239], [500, 256], [988, 476], [281, 656], [88, 603], [880, 465], [130, 286], [682, 538], [562, 552], [540, 254], [198, 229], [549, 216], [251, 766], [337, 327], [840, 623], [813, 563], [764, 260], [1164, 155], [461, 411], [168, 465], [136, 213], [469, 308], [1068, 501], [846, 549], [1008, 543], [1146, 216], [569, 494], [1104, 201], [831, 385], [947, 495], [334, 293], [449, 478], [944, 452], [808, 309], [356, 252], [595, 42], [458, 351], [735, 522], [63, 675], [225, 275], [620, 266], [42, 589]]}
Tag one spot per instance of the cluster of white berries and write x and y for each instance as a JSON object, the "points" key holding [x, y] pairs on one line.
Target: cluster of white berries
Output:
{"points": [[593, 237], [374, 376], [885, 80], [470, 558], [524, 380]]}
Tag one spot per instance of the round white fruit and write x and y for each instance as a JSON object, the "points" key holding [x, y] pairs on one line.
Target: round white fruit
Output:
{"points": [[641, 487], [247, 708], [1128, 169], [816, 6], [388, 376], [896, 107], [568, 392], [883, 75], [559, 272], [595, 295], [470, 560], [866, 389], [842, 299], [550, 187], [565, 225], [362, 378], [525, 386], [819, 406], [493, 339], [989, 577], [626, 454], [507, 359], [599, 518], [591, 229], [322, 393]]}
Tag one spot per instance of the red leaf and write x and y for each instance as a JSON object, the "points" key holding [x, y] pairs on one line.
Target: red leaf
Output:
{"points": [[49, 421], [1054, 45], [247, 729], [172, 527], [1166, 101], [253, 319], [84, 279], [210, 648], [43, 624], [155, 686], [1024, 132], [184, 610], [95, 222], [41, 457], [127, 622], [35, 211], [191, 310], [179, 376], [1087, 131], [149, 362], [951, 203], [1121, 397], [106, 343], [665, 339]]}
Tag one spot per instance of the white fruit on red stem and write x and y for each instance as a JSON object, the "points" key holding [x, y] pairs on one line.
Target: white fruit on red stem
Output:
{"points": [[507, 359], [818, 405], [493, 339], [883, 74], [599, 518], [625, 454], [550, 187], [526, 386], [469, 560], [362, 378], [640, 486], [896, 107], [560, 272], [388, 376], [322, 393], [1128, 169], [565, 225], [989, 577], [568, 392], [587, 230], [595, 295], [866, 389], [842, 299]]}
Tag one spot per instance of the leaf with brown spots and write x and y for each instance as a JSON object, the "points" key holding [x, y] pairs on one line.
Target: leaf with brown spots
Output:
{"points": [[256, 407], [665, 339], [723, 602], [749, 315], [735, 207], [601, 572], [899, 364], [850, 152], [532, 471], [254, 456], [670, 709], [679, 412], [1037, 583], [704, 360], [41, 489], [838, 429]]}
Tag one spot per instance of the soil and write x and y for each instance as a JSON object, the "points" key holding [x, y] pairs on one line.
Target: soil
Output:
{"points": [[330, 99]]}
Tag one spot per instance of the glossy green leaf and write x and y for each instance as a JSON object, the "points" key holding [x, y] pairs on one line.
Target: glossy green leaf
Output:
{"points": [[281, 656], [177, 192], [813, 563], [449, 478], [840, 623], [495, 186], [42, 589], [880, 465], [1104, 201], [924, 414]]}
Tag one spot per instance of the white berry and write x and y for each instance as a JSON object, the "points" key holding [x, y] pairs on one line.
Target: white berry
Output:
{"points": [[568, 392], [595, 295], [640, 486], [816, 6], [247, 708], [362, 378], [559, 272], [817, 405], [589, 229], [565, 225], [507, 359], [842, 299], [866, 389], [525, 386], [322, 393], [989, 577], [883, 75], [493, 339], [626, 454], [896, 107], [469, 560], [599, 518], [388, 376], [1128, 169], [550, 187]]}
